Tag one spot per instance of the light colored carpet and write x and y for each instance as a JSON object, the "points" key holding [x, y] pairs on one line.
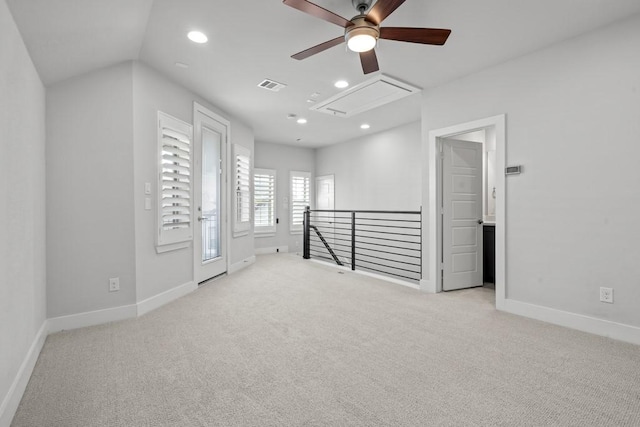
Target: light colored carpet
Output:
{"points": [[288, 342]]}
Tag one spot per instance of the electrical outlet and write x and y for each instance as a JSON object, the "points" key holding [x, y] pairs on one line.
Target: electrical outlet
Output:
{"points": [[606, 295], [114, 284]]}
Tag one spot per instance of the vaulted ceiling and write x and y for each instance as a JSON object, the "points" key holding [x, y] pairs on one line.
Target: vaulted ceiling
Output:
{"points": [[252, 40]]}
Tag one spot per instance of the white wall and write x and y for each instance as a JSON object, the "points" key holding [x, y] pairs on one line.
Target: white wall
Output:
{"points": [[381, 171], [103, 148], [284, 159], [90, 218], [156, 273], [22, 190], [572, 122]]}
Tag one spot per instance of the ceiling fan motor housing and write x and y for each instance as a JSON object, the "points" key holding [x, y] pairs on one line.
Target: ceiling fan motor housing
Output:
{"points": [[361, 5]]}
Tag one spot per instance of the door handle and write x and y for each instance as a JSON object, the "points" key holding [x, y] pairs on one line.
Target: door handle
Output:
{"points": [[480, 222], [200, 218]]}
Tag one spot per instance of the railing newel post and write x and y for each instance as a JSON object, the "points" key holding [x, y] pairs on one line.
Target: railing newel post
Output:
{"points": [[306, 253], [353, 241]]}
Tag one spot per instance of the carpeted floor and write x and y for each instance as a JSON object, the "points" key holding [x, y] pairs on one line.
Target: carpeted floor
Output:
{"points": [[288, 342]]}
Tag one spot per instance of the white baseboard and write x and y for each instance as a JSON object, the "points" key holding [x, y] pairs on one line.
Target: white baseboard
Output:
{"points": [[11, 401], [91, 318], [369, 274], [234, 268], [389, 279], [606, 328], [272, 250], [165, 297], [427, 286]]}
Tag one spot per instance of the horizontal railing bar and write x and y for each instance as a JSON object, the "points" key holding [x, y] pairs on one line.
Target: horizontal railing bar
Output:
{"points": [[386, 246], [374, 212], [387, 240], [387, 252], [389, 274], [388, 266], [393, 260], [387, 232], [388, 219], [358, 224]]}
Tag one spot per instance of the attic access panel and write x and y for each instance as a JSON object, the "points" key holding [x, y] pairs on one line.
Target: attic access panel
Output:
{"points": [[366, 96]]}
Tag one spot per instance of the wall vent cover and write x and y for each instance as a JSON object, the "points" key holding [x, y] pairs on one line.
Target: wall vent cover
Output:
{"points": [[368, 95], [271, 85]]}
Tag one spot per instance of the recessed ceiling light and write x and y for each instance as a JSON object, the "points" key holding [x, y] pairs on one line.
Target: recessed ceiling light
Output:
{"points": [[182, 65], [364, 126], [197, 37], [341, 84], [302, 120]]}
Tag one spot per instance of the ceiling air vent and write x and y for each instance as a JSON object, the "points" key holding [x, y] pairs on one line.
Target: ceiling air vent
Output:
{"points": [[366, 96], [271, 85]]}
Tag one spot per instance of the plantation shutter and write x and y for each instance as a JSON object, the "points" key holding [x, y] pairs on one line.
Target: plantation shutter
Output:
{"points": [[175, 197], [242, 185], [264, 200], [300, 198]]}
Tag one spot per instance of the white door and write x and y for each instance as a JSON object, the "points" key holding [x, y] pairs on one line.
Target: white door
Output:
{"points": [[461, 214], [210, 151]]}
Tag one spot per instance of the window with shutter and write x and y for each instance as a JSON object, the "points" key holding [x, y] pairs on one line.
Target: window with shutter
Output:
{"points": [[242, 184], [300, 199], [174, 187], [264, 201]]}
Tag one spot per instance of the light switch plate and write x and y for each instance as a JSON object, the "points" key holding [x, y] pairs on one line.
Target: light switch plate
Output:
{"points": [[147, 188], [147, 203]]}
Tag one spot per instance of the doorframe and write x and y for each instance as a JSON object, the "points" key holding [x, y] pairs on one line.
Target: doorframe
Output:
{"points": [[199, 108], [434, 239]]}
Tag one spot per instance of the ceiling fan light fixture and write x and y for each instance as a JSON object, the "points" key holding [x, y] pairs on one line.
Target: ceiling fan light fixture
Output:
{"points": [[361, 39]]}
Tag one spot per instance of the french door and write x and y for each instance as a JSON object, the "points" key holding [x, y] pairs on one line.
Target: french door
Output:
{"points": [[210, 193]]}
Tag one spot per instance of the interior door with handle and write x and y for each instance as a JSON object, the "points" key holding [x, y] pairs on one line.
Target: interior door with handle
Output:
{"points": [[461, 214]]}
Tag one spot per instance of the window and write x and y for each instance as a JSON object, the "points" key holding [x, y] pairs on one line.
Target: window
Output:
{"points": [[174, 186], [299, 199], [242, 185], [264, 201]]}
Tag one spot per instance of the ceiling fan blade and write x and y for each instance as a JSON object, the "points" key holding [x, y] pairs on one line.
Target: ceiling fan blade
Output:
{"points": [[319, 12], [382, 9], [318, 48], [415, 35], [369, 61]]}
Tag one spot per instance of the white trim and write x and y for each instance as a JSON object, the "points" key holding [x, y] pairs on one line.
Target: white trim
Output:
{"points": [[172, 247], [427, 286], [234, 268], [91, 318], [14, 395], [157, 301], [434, 246], [272, 249], [606, 328], [368, 274]]}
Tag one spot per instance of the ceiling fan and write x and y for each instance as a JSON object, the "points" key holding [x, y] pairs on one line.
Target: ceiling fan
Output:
{"points": [[362, 31]]}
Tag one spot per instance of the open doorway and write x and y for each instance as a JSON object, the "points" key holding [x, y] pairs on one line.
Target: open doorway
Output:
{"points": [[492, 199]]}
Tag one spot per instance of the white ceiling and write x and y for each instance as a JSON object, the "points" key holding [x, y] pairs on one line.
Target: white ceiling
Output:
{"points": [[253, 39]]}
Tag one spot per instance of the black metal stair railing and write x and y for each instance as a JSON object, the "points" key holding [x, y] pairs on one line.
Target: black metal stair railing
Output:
{"points": [[383, 242]]}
